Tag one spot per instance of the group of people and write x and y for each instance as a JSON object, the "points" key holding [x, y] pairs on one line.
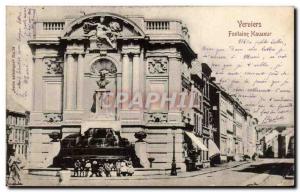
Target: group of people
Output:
{"points": [[90, 168]]}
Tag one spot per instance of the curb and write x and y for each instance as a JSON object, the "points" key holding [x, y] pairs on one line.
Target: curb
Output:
{"points": [[162, 176]]}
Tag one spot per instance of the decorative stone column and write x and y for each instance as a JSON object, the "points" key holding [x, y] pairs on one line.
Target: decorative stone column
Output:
{"points": [[71, 82], [174, 87], [80, 84], [125, 78], [37, 84], [136, 74]]}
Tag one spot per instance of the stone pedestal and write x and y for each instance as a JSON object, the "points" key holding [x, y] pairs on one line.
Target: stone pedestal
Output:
{"points": [[113, 124], [141, 153], [55, 148], [102, 101], [64, 177]]}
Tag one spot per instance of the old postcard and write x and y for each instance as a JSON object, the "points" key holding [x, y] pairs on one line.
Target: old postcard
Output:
{"points": [[150, 96]]}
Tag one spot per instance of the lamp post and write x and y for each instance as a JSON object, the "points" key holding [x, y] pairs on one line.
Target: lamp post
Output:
{"points": [[173, 165]]}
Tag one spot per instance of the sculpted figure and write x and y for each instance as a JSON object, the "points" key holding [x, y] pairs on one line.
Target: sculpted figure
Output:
{"points": [[101, 31], [102, 82]]}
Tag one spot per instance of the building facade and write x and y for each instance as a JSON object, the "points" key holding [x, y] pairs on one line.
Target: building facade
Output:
{"points": [[275, 141], [17, 118], [76, 58], [130, 74], [250, 136], [240, 120], [236, 128], [207, 120]]}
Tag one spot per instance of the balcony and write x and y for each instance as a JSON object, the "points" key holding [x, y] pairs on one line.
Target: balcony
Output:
{"points": [[166, 30], [157, 25], [49, 29]]}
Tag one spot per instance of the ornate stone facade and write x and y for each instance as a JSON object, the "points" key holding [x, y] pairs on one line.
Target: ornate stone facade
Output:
{"points": [[157, 117], [119, 54], [54, 66], [53, 117], [158, 65]]}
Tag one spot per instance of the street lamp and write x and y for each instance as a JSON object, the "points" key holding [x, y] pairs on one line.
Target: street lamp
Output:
{"points": [[173, 165]]}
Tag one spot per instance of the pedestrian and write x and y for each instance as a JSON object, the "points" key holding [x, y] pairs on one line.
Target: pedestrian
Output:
{"points": [[130, 170], [14, 170], [94, 168], [107, 169], [129, 161], [100, 169], [77, 166], [123, 168], [118, 168], [82, 167], [112, 166], [88, 166]]}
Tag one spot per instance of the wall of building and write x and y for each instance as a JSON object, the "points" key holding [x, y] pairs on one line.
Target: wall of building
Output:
{"points": [[66, 75], [18, 137]]}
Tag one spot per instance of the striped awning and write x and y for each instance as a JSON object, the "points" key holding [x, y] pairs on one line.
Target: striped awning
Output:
{"points": [[196, 141], [213, 148]]}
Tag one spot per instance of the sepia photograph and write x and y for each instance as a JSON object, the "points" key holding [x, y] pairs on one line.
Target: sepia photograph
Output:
{"points": [[150, 96]]}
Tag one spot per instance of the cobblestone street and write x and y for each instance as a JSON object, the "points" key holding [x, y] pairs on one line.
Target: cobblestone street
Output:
{"points": [[264, 172]]}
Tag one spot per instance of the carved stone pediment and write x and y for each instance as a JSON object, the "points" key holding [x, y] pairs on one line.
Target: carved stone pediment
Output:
{"points": [[103, 30]]}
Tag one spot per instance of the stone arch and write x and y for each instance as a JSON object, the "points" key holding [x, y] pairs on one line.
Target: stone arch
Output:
{"points": [[103, 64], [79, 21], [105, 58], [110, 67]]}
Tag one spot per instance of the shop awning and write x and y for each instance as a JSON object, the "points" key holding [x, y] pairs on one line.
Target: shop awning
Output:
{"points": [[197, 141], [213, 148]]}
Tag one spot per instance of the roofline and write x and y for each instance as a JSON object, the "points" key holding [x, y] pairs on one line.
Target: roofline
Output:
{"points": [[79, 20]]}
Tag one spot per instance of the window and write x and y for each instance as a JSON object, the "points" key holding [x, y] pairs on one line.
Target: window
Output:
{"points": [[200, 105], [199, 127], [207, 148], [23, 135], [195, 122], [207, 92], [205, 113], [15, 134], [203, 119], [205, 87], [25, 151], [18, 135]]}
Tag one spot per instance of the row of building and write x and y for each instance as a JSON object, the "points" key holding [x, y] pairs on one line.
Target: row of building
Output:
{"points": [[226, 128], [276, 141], [17, 132], [142, 55]]}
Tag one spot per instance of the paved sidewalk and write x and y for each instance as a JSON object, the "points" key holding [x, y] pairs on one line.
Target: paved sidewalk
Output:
{"points": [[35, 180]]}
